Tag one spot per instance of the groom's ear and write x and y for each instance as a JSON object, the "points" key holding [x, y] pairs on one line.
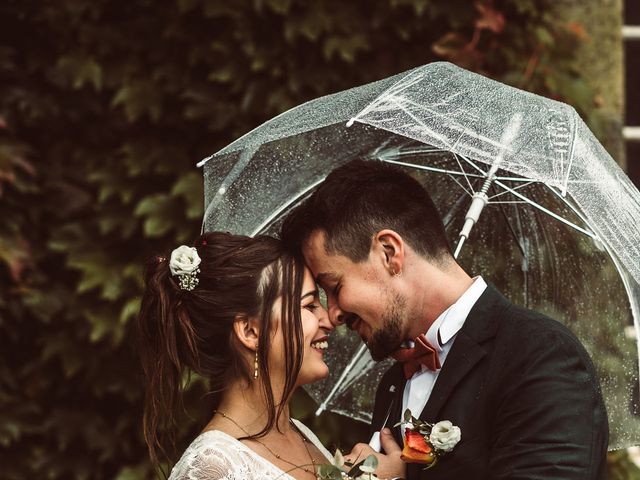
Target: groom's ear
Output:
{"points": [[388, 246], [247, 330]]}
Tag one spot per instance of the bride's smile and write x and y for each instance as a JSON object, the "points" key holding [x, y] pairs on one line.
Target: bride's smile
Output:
{"points": [[320, 344], [315, 329]]}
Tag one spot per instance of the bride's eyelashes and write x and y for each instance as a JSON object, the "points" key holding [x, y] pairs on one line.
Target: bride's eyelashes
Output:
{"points": [[312, 307]]}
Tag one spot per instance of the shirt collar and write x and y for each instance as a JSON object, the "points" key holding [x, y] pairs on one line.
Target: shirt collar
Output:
{"points": [[449, 323]]}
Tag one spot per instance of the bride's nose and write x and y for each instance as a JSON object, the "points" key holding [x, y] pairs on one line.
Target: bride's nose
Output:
{"points": [[324, 321]]}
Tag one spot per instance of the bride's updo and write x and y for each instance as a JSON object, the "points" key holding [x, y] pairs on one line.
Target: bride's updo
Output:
{"points": [[187, 325]]}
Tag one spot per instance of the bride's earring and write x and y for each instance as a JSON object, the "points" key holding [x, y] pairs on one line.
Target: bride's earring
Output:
{"points": [[255, 365]]}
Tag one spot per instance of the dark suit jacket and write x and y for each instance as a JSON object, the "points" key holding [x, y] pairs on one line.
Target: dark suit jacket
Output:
{"points": [[524, 393]]}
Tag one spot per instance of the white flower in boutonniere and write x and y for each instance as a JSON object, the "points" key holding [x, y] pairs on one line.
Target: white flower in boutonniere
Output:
{"points": [[444, 436], [184, 264], [425, 443]]}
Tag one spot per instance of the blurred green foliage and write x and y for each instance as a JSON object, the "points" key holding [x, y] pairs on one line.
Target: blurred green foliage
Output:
{"points": [[105, 108]]}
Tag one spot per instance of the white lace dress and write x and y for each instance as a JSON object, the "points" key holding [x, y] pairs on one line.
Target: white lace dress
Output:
{"points": [[214, 455]]}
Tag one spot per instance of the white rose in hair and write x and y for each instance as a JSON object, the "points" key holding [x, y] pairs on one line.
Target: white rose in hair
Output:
{"points": [[444, 436], [184, 260]]}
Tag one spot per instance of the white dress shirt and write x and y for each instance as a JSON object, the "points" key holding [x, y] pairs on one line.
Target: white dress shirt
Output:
{"points": [[440, 335]]}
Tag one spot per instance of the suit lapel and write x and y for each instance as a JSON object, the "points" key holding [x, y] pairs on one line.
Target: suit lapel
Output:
{"points": [[464, 354], [396, 408], [389, 401], [393, 401], [466, 351]]}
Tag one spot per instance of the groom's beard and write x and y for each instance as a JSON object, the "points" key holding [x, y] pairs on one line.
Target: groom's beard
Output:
{"points": [[388, 338]]}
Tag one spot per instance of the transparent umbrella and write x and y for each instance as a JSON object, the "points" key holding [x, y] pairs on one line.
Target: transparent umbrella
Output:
{"points": [[558, 231]]}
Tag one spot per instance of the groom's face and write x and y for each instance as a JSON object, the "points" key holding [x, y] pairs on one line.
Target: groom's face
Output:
{"points": [[359, 295]]}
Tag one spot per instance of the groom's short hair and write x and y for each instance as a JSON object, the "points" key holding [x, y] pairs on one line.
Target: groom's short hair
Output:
{"points": [[360, 198]]}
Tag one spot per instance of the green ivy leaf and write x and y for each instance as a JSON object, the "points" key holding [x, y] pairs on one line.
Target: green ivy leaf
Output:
{"points": [[130, 310], [279, 6], [83, 70], [190, 187]]}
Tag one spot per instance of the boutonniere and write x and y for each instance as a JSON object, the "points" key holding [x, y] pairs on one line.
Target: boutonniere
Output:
{"points": [[344, 470], [425, 442]]}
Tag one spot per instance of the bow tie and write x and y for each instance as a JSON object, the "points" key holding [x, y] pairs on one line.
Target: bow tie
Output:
{"points": [[421, 354]]}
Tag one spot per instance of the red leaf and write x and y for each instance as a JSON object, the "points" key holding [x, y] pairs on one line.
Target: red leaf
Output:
{"points": [[578, 30]]}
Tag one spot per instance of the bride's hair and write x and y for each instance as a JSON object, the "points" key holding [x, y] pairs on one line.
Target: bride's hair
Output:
{"points": [[181, 331]]}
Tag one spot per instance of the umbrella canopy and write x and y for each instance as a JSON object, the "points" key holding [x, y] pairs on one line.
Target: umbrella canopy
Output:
{"points": [[558, 234]]}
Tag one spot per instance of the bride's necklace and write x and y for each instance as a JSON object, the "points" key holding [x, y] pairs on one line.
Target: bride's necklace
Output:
{"points": [[304, 442]]}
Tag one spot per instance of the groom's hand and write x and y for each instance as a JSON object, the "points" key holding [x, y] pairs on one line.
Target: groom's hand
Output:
{"points": [[390, 465]]}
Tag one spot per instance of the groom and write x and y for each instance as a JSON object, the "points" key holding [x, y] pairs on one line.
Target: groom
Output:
{"points": [[519, 385]]}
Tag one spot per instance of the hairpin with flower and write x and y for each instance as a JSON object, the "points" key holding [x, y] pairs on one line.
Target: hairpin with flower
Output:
{"points": [[425, 442], [184, 264]]}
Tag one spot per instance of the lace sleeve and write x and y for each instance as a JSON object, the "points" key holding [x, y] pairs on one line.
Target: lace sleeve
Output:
{"points": [[216, 456], [207, 465]]}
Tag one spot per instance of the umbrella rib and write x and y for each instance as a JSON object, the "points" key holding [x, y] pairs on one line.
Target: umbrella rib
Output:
{"points": [[450, 124], [484, 174], [285, 206], [513, 232], [238, 168], [572, 143], [452, 172], [523, 244], [422, 124], [517, 179], [354, 359], [574, 210], [516, 188], [470, 193], [426, 148], [547, 211], [441, 138], [571, 207], [462, 170], [385, 96], [431, 169]]}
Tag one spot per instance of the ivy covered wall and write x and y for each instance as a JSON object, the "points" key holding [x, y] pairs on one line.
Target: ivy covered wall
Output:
{"points": [[105, 108]]}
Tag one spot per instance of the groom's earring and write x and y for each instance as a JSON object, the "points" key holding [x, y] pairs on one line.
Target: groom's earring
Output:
{"points": [[397, 274], [255, 365]]}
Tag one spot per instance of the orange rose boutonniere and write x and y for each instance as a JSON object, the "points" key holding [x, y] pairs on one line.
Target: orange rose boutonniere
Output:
{"points": [[416, 449], [425, 442]]}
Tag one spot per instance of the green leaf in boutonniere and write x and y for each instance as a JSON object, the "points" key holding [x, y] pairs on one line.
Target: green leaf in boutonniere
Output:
{"points": [[370, 464], [357, 469], [327, 471]]}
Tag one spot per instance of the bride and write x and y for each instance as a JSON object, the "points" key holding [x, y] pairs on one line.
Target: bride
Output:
{"points": [[245, 315]]}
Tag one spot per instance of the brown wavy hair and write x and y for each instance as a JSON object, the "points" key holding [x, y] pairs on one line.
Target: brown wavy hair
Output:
{"points": [[180, 331]]}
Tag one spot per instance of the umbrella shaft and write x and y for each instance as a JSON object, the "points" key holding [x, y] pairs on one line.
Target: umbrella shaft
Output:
{"points": [[480, 199]]}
